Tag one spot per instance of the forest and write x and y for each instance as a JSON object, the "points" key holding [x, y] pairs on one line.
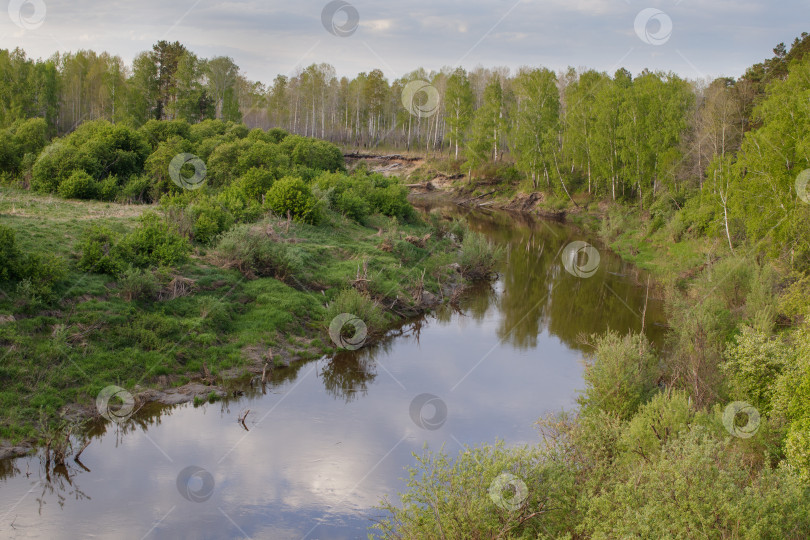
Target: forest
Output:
{"points": [[702, 182], [629, 138]]}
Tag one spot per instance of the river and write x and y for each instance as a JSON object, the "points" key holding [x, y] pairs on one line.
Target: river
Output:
{"points": [[325, 440]]}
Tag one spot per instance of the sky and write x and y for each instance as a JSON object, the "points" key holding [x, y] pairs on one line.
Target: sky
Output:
{"points": [[267, 38]]}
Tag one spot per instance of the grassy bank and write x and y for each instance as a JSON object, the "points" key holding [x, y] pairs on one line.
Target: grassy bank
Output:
{"points": [[231, 306], [707, 439]]}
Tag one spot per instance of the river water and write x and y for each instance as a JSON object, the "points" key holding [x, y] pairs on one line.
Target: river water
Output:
{"points": [[324, 441]]}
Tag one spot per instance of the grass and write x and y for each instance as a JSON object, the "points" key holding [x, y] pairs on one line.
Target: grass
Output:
{"points": [[90, 336]]}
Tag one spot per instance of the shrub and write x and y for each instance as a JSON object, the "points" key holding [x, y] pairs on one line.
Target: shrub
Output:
{"points": [[79, 185], [43, 271], [98, 148], [10, 255], [794, 303], [697, 488], [153, 243], [139, 284], [38, 272], [97, 252], [352, 205], [448, 498], [360, 305], [313, 154], [262, 155], [207, 129], [157, 131], [620, 375], [255, 183], [157, 165], [239, 205], [391, 200], [249, 250], [108, 188], [753, 362], [663, 418], [223, 164], [478, 256], [137, 190], [292, 195]]}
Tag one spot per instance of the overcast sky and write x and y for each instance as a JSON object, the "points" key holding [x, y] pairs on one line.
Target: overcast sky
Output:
{"points": [[268, 37]]}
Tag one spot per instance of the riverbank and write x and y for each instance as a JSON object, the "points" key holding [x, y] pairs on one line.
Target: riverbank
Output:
{"points": [[721, 406], [184, 333]]}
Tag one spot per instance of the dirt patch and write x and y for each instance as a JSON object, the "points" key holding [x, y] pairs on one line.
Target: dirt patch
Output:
{"points": [[387, 165]]}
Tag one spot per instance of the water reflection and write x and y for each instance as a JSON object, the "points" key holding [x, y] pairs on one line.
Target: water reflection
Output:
{"points": [[326, 439]]}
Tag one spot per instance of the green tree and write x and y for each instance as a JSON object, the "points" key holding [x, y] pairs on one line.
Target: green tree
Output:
{"points": [[458, 104], [488, 127], [535, 122]]}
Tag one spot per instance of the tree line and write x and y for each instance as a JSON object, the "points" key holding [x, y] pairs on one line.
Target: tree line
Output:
{"points": [[609, 135]]}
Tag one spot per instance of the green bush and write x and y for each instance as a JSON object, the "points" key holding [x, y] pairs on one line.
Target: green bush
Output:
{"points": [[157, 165], [10, 255], [391, 200], [754, 361], [158, 131], [262, 155], [255, 183], [249, 250], [137, 190], [352, 205], [153, 243], [456, 498], [79, 185], [36, 273], [108, 189], [97, 148], [360, 305], [620, 375], [313, 153], [478, 256], [698, 488], [291, 195], [44, 271], [659, 420], [20, 143], [139, 284], [97, 252]]}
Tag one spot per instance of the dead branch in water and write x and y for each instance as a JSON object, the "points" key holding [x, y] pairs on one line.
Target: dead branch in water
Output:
{"points": [[242, 419]]}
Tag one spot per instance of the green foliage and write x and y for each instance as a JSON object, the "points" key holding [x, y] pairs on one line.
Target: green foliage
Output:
{"points": [[249, 250], [794, 303], [753, 362], [361, 306], [457, 498], [312, 153], [10, 255], [361, 195], [20, 143], [351, 204], [153, 243], [291, 195], [621, 374], [139, 284], [35, 274], [79, 185], [97, 148], [254, 183], [97, 252], [664, 418], [478, 256], [137, 190], [695, 488]]}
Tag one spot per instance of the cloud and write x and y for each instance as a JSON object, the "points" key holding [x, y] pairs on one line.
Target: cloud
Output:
{"points": [[721, 37]]}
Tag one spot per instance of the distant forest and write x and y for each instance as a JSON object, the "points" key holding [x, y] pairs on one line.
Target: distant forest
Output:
{"points": [[739, 144]]}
